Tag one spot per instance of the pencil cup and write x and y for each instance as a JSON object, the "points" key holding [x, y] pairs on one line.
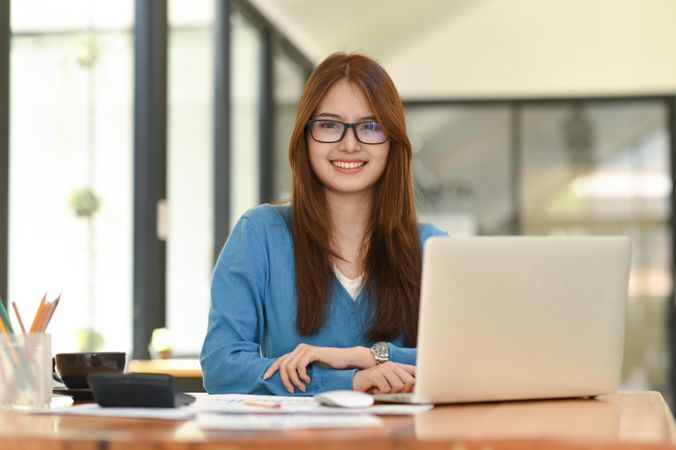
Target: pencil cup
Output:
{"points": [[25, 370]]}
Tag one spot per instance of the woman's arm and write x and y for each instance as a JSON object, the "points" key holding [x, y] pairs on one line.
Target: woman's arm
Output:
{"points": [[293, 367], [231, 359], [385, 378], [403, 355]]}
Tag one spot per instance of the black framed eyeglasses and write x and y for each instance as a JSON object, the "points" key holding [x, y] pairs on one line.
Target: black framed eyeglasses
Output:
{"points": [[330, 131]]}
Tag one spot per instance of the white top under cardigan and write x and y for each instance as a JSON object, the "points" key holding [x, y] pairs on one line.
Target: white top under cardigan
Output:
{"points": [[353, 286]]}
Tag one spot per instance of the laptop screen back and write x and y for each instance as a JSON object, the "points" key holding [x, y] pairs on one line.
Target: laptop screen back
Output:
{"points": [[506, 318]]}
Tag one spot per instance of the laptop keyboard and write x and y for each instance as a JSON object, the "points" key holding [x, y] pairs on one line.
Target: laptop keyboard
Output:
{"points": [[394, 398]]}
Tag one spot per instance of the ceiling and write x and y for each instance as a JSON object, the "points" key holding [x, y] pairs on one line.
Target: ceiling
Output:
{"points": [[377, 27], [494, 48]]}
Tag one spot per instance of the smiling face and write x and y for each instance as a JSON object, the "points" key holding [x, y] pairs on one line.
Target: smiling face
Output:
{"points": [[347, 166]]}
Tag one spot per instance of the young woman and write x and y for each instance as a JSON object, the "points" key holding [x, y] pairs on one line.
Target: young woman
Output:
{"points": [[323, 293]]}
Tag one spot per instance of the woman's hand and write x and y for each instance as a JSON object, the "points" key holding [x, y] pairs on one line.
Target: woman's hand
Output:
{"points": [[292, 367], [385, 378]]}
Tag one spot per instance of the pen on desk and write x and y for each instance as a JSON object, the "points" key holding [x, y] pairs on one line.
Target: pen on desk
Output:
{"points": [[262, 404], [18, 317]]}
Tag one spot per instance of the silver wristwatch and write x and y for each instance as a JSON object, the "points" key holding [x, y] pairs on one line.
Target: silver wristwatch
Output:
{"points": [[381, 352]]}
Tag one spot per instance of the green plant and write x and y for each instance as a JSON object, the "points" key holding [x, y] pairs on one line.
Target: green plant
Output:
{"points": [[89, 340], [83, 202]]}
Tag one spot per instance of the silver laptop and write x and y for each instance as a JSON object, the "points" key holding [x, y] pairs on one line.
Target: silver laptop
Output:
{"points": [[507, 318]]}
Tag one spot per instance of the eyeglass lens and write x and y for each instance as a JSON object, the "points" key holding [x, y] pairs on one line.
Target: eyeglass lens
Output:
{"points": [[329, 131]]}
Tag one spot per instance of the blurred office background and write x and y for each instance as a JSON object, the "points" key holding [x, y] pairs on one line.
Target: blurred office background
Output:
{"points": [[134, 133]]}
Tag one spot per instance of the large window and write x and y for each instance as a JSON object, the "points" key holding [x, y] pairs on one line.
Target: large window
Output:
{"points": [[245, 115], [190, 171], [72, 155], [561, 167], [288, 85], [70, 204]]}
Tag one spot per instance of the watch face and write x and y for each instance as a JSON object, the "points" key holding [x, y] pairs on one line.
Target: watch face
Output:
{"points": [[381, 350]]}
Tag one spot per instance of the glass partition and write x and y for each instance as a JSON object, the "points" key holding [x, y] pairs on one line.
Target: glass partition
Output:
{"points": [[463, 174], [190, 172], [561, 167], [600, 168], [244, 122], [71, 168], [288, 85]]}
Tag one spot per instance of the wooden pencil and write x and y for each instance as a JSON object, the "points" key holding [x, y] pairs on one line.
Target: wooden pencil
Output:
{"points": [[49, 313], [18, 317], [38, 314]]}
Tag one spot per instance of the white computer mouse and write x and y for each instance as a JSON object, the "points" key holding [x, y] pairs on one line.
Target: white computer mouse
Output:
{"points": [[345, 399]]}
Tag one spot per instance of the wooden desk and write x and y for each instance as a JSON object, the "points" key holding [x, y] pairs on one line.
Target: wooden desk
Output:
{"points": [[187, 373], [624, 420], [181, 368]]}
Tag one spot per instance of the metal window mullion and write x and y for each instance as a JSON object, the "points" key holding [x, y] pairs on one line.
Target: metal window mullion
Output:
{"points": [[266, 119], [516, 151], [5, 36], [150, 169], [671, 302], [222, 60]]}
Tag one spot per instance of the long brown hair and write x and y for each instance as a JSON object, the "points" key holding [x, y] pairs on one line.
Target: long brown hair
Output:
{"points": [[392, 263]]}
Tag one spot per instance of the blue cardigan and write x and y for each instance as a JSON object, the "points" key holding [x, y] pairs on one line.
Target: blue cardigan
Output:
{"points": [[252, 319]]}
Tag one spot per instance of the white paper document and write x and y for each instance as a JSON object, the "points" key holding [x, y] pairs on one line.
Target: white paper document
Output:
{"points": [[241, 411], [90, 409], [279, 404], [211, 421]]}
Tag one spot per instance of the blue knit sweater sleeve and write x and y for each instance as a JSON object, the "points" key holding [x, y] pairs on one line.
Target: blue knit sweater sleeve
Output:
{"points": [[231, 358], [408, 355]]}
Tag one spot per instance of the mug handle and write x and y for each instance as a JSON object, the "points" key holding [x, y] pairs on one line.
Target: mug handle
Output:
{"points": [[55, 376]]}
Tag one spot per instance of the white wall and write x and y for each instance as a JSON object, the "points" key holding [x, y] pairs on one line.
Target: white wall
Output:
{"points": [[543, 48]]}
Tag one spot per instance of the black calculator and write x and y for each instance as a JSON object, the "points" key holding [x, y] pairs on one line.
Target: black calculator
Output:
{"points": [[137, 390]]}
